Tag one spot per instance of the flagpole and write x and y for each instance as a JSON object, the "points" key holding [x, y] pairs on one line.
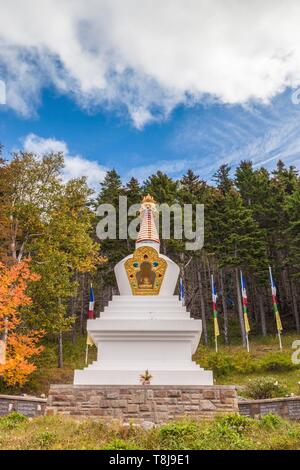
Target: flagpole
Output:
{"points": [[86, 354], [90, 317], [181, 291], [247, 343], [212, 289], [279, 338], [91, 303], [244, 312], [214, 299], [273, 288]]}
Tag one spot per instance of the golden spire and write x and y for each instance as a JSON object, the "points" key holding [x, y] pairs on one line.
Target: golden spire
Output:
{"points": [[148, 230], [148, 200]]}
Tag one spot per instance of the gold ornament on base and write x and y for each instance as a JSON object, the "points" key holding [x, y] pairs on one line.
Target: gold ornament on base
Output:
{"points": [[145, 271]]}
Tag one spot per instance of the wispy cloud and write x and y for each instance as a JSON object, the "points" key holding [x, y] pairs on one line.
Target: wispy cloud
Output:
{"points": [[263, 134]]}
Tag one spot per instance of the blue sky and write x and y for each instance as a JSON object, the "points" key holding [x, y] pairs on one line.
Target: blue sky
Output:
{"points": [[138, 88], [201, 137]]}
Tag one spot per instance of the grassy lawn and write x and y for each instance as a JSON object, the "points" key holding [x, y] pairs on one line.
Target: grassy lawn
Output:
{"points": [[228, 432], [233, 365]]}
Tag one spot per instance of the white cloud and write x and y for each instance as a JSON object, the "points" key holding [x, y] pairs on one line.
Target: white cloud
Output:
{"points": [[148, 56], [39, 145], [172, 168], [75, 165]]}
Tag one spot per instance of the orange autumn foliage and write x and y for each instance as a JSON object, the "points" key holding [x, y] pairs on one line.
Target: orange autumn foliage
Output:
{"points": [[21, 343]]}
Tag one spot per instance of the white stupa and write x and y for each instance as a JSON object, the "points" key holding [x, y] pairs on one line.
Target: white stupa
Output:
{"points": [[146, 327]]}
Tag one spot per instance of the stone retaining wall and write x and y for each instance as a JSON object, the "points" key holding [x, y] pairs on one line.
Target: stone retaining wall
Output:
{"points": [[28, 406], [288, 407], [155, 403]]}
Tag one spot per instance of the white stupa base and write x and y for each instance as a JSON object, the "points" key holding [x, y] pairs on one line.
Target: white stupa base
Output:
{"points": [[131, 377], [138, 333]]}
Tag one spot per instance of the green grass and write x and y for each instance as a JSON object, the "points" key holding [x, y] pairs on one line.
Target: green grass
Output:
{"points": [[227, 432], [232, 364]]}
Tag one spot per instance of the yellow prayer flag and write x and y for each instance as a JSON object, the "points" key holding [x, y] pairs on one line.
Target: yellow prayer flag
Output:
{"points": [[247, 326], [278, 322], [216, 326]]}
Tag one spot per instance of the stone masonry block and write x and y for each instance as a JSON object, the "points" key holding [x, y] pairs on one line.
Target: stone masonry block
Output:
{"points": [[207, 405], [153, 403], [174, 393], [112, 395], [132, 408]]}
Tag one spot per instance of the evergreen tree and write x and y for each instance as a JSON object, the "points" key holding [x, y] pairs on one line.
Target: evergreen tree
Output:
{"points": [[245, 180], [110, 190], [164, 190], [292, 205], [236, 240], [293, 230], [222, 178], [161, 187], [133, 191], [192, 190]]}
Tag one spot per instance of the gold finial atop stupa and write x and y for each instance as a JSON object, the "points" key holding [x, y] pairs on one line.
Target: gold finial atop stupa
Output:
{"points": [[148, 200]]}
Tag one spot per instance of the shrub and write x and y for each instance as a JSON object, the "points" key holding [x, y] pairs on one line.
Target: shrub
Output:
{"points": [[13, 420], [45, 439], [176, 435], [226, 432], [221, 364], [244, 363], [235, 422], [266, 387], [224, 364], [270, 421], [276, 362], [120, 444]]}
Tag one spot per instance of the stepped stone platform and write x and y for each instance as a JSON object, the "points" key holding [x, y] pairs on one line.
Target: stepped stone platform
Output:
{"points": [[135, 333], [155, 403]]}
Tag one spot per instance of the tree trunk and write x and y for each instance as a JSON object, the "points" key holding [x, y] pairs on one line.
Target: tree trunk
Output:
{"points": [[13, 242], [254, 312], [73, 304], [295, 307], [240, 308], [262, 314], [202, 305], [224, 306], [4, 339], [163, 249], [285, 292], [60, 351], [82, 304]]}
